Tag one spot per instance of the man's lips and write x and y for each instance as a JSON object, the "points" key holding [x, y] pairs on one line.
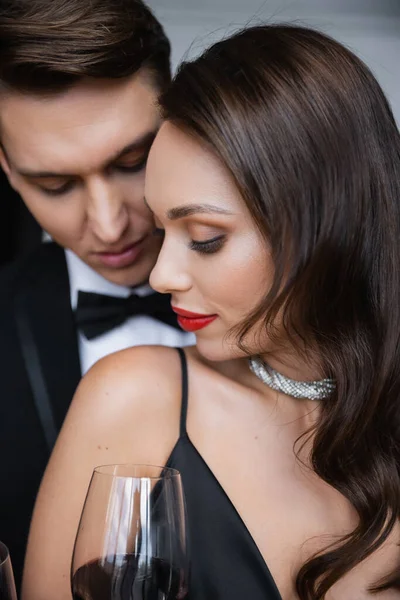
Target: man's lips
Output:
{"points": [[124, 257], [191, 321]]}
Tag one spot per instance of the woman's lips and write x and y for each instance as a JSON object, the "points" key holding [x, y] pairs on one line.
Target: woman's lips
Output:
{"points": [[126, 257], [191, 321]]}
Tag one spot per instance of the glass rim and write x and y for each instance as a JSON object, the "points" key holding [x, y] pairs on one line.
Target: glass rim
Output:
{"points": [[165, 472], [4, 553]]}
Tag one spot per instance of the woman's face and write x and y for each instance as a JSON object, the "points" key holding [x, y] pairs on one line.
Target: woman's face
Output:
{"points": [[214, 261]]}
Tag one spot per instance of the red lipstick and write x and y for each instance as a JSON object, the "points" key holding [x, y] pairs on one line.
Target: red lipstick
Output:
{"points": [[191, 321]]}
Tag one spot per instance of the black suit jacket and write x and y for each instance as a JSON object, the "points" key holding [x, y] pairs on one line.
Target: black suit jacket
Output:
{"points": [[39, 372]]}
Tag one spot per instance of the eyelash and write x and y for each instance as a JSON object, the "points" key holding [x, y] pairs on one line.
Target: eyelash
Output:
{"points": [[68, 186], [132, 168], [207, 247], [58, 191]]}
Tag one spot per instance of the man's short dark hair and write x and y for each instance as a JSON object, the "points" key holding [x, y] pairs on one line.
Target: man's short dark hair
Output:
{"points": [[48, 45]]}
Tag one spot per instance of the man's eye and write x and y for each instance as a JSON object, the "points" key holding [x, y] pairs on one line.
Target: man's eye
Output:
{"points": [[159, 232], [57, 191], [131, 168]]}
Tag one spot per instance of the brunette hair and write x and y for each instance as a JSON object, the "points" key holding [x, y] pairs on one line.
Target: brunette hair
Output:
{"points": [[48, 45], [310, 140]]}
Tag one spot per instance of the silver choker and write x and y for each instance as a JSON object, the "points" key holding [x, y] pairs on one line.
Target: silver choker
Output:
{"points": [[310, 390]]}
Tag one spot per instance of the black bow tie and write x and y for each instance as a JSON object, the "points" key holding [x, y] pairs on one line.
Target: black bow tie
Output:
{"points": [[97, 313]]}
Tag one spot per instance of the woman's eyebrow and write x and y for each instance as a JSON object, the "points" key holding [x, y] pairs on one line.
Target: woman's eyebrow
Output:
{"points": [[186, 210]]}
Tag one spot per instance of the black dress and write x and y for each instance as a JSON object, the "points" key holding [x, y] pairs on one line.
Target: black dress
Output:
{"points": [[226, 563]]}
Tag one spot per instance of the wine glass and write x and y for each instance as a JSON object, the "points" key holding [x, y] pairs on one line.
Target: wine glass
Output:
{"points": [[131, 542], [7, 585]]}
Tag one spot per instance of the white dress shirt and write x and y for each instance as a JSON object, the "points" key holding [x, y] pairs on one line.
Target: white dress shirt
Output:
{"points": [[135, 331]]}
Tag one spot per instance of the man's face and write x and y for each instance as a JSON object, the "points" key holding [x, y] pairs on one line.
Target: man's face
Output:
{"points": [[78, 160]]}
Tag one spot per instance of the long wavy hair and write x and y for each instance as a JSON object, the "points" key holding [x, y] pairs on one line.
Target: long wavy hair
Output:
{"points": [[310, 140]]}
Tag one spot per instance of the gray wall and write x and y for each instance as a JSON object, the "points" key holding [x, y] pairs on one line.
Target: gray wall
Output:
{"points": [[371, 28]]}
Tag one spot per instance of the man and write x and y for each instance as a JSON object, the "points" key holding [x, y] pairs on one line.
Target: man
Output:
{"points": [[79, 83]]}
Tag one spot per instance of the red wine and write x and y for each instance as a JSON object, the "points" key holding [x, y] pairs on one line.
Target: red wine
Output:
{"points": [[125, 577]]}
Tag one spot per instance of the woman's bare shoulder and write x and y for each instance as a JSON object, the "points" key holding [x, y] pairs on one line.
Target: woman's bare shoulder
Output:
{"points": [[129, 399], [150, 371], [126, 410]]}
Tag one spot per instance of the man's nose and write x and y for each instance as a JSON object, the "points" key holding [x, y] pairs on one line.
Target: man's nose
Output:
{"points": [[107, 211]]}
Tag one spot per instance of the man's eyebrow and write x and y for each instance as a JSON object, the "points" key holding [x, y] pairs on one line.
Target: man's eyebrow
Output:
{"points": [[187, 210], [139, 144]]}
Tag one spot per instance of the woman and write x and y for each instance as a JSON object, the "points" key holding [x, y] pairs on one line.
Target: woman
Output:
{"points": [[276, 181]]}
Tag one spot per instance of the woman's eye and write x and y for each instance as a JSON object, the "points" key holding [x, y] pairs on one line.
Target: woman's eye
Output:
{"points": [[208, 246]]}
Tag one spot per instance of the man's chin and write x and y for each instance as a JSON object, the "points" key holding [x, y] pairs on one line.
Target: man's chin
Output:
{"points": [[132, 276]]}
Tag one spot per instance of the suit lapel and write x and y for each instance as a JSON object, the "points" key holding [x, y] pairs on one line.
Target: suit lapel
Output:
{"points": [[43, 307]]}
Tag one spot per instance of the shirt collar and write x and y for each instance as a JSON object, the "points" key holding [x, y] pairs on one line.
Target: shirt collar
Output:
{"points": [[84, 278]]}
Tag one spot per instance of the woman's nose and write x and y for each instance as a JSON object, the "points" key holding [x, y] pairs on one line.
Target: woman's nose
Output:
{"points": [[170, 273]]}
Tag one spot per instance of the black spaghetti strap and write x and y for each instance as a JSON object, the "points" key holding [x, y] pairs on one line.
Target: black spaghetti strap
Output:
{"points": [[185, 391]]}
